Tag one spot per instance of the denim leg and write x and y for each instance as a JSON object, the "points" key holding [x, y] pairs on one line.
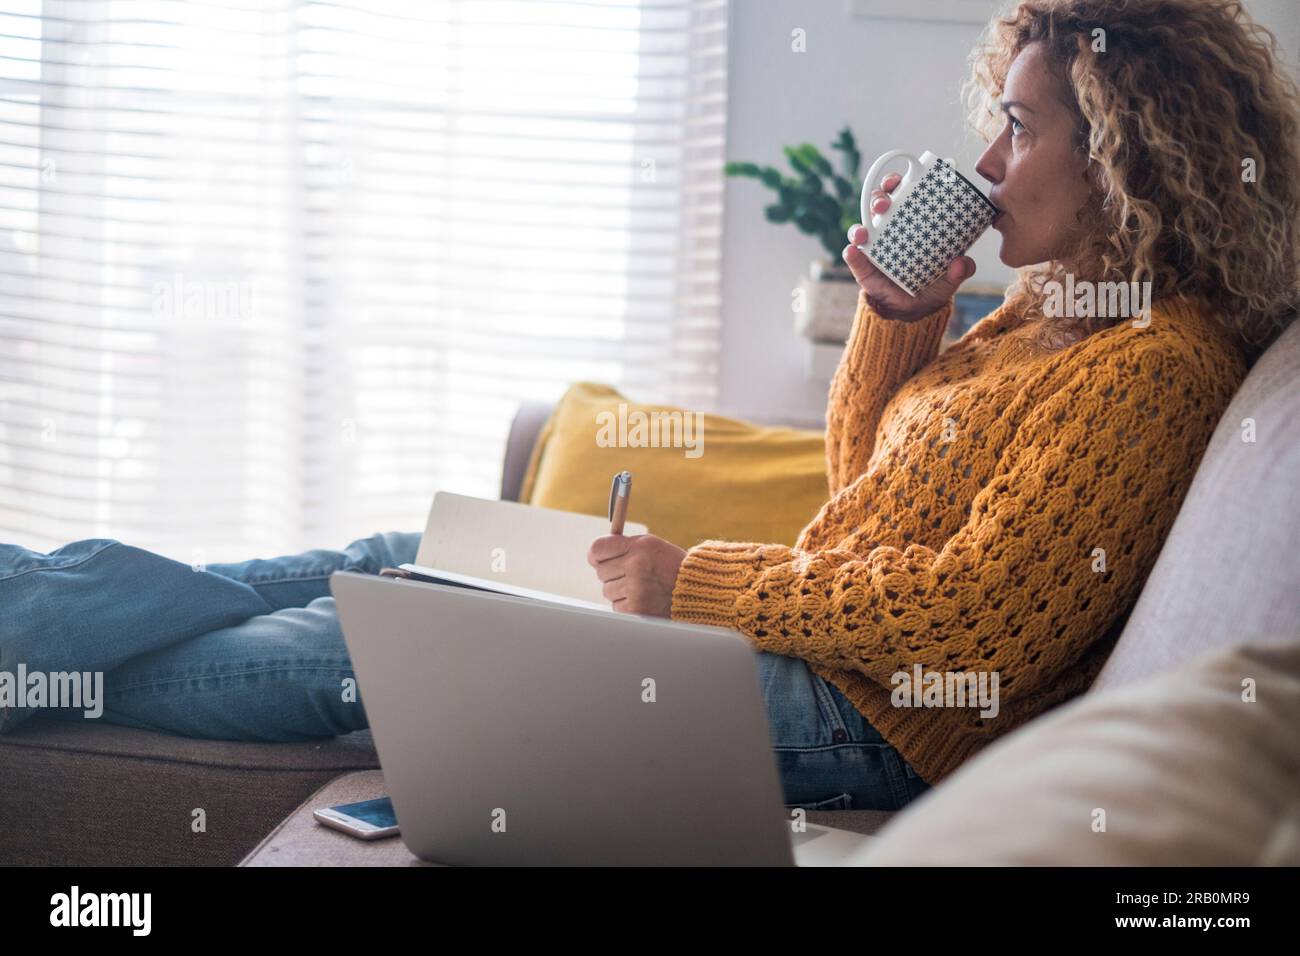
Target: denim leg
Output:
{"points": [[828, 756], [95, 605], [284, 676], [299, 579]]}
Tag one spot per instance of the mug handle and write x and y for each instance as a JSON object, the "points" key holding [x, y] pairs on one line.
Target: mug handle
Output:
{"points": [[875, 218]]}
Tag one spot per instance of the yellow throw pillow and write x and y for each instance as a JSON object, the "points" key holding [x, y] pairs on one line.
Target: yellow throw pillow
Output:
{"points": [[695, 475]]}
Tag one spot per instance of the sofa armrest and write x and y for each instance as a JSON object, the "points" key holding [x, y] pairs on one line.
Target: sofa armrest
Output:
{"points": [[524, 429]]}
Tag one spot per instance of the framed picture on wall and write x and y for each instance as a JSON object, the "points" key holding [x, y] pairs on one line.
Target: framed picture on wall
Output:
{"points": [[960, 11]]}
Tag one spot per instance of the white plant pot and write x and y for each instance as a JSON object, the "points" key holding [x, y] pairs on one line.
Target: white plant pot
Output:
{"points": [[829, 300]]}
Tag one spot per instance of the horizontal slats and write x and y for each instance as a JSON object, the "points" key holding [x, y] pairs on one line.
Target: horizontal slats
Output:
{"points": [[398, 220]]}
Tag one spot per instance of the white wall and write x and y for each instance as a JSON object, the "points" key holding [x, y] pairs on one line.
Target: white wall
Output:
{"points": [[1283, 18], [897, 84]]}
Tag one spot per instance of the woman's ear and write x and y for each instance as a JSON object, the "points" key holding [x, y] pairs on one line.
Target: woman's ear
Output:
{"points": [[1094, 176], [1088, 215]]}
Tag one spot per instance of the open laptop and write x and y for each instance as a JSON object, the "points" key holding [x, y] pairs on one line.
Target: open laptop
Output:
{"points": [[514, 731]]}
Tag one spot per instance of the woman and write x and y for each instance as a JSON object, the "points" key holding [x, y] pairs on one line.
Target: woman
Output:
{"points": [[993, 510]]}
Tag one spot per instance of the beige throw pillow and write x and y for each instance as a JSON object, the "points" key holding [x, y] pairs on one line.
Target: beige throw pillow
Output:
{"points": [[1179, 769]]}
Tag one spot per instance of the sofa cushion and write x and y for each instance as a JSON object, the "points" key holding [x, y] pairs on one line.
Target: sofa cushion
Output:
{"points": [[1186, 770], [96, 794], [732, 480], [1229, 570]]}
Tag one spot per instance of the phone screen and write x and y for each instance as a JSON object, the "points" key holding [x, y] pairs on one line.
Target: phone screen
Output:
{"points": [[378, 812]]}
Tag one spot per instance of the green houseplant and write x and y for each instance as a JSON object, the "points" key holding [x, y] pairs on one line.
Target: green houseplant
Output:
{"points": [[818, 200], [823, 202]]}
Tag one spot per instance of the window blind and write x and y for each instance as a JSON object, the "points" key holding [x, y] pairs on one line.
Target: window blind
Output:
{"points": [[272, 273]]}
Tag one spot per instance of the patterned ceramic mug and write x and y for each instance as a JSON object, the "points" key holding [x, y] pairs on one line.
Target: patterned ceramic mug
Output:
{"points": [[935, 214]]}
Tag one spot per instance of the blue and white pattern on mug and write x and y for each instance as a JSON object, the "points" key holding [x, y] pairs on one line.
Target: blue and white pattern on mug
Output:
{"points": [[936, 222]]}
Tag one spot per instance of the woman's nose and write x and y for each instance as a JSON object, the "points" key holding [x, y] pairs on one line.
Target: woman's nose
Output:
{"points": [[990, 165]]}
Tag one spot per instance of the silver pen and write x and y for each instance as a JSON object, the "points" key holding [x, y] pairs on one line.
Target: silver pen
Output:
{"points": [[619, 493]]}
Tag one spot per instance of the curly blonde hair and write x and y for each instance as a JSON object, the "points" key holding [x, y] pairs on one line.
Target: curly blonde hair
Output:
{"points": [[1185, 92]]}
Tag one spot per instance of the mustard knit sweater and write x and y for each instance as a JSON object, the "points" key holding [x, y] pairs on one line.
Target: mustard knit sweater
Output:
{"points": [[995, 508]]}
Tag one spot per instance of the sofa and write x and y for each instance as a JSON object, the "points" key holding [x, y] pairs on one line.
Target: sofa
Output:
{"points": [[1229, 574]]}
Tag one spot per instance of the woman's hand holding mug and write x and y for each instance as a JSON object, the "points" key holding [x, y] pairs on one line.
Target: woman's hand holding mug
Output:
{"points": [[886, 298], [910, 262]]}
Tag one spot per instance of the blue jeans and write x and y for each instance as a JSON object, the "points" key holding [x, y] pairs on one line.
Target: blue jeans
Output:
{"points": [[253, 651]]}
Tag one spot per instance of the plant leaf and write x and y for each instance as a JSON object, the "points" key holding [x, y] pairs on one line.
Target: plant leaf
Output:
{"points": [[741, 169], [777, 213]]}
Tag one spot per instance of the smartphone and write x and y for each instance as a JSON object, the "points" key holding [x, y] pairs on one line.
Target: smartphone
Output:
{"points": [[367, 820]]}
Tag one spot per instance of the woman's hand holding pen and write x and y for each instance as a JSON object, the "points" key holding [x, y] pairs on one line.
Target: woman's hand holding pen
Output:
{"points": [[639, 572]]}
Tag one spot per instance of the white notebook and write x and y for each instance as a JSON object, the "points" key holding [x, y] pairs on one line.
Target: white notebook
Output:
{"points": [[511, 548]]}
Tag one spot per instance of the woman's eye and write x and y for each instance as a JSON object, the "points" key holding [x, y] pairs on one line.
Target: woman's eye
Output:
{"points": [[1015, 123]]}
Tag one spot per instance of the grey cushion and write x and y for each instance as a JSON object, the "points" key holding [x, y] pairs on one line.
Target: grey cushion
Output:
{"points": [[1181, 769], [103, 795], [1229, 571], [524, 429]]}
